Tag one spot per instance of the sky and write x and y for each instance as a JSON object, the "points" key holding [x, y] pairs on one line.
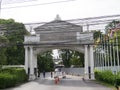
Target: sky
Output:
{"points": [[45, 10]]}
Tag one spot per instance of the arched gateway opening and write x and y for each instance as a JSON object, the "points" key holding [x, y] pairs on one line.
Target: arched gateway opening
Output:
{"points": [[59, 34]]}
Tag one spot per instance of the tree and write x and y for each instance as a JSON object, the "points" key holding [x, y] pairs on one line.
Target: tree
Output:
{"points": [[45, 61], [96, 34], [111, 26], [3, 41], [77, 59], [15, 34], [66, 56], [71, 57]]}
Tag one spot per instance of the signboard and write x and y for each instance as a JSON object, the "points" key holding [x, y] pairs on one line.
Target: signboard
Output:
{"points": [[84, 36]]}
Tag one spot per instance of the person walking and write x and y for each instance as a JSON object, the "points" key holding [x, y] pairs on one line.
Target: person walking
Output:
{"points": [[51, 74], [38, 73], [44, 74]]}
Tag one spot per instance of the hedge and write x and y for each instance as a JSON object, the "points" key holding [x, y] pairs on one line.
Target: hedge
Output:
{"points": [[12, 76], [108, 77]]}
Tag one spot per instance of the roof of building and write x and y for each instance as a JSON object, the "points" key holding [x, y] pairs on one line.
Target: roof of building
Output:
{"points": [[57, 25]]}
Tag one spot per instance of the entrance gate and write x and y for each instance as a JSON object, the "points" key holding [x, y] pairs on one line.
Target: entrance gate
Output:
{"points": [[59, 34]]}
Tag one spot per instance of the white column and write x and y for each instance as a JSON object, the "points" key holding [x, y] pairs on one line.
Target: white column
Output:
{"points": [[26, 59], [91, 62], [86, 62], [35, 61], [32, 77]]}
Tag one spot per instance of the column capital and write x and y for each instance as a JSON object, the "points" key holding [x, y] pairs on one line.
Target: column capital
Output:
{"points": [[31, 47], [25, 46], [91, 45], [86, 45]]}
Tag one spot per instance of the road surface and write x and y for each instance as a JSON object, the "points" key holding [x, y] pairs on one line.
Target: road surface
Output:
{"points": [[70, 83]]}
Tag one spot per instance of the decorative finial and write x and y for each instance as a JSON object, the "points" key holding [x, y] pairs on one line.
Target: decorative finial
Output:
{"points": [[57, 17]]}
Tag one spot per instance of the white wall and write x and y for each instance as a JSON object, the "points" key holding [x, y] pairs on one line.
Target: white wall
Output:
{"points": [[74, 71]]}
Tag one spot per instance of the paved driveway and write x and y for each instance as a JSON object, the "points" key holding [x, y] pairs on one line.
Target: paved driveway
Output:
{"points": [[70, 83]]}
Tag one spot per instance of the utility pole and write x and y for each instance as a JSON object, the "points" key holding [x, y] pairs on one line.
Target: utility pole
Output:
{"points": [[0, 7]]}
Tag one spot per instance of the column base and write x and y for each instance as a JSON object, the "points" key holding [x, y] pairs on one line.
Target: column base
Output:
{"points": [[92, 76], [86, 76], [32, 77], [89, 76]]}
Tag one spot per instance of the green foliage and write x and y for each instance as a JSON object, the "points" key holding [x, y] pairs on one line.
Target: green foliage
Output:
{"points": [[3, 58], [77, 59], [111, 26], [3, 40], [7, 80], [66, 56], [14, 35], [71, 57], [118, 79], [45, 62], [12, 76], [108, 77], [96, 34], [15, 55]]}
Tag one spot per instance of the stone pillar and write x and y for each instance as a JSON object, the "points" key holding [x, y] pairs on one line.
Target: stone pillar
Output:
{"points": [[91, 62], [32, 76], [35, 61], [26, 59], [86, 63]]}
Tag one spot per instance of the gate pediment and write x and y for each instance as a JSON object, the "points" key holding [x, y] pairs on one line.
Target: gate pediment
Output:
{"points": [[58, 26], [58, 31]]}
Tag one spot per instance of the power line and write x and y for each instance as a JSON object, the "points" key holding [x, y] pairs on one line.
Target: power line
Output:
{"points": [[76, 21], [91, 22], [39, 4], [58, 27], [86, 20], [4, 2]]}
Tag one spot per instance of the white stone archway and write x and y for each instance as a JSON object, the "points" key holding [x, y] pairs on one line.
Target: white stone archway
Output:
{"points": [[59, 34]]}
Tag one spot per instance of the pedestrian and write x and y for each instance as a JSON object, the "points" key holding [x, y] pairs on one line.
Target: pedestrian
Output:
{"points": [[51, 74], [44, 74], [38, 73]]}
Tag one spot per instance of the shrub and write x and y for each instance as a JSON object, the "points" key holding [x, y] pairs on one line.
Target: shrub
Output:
{"points": [[107, 76], [12, 76], [7, 80], [118, 79]]}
